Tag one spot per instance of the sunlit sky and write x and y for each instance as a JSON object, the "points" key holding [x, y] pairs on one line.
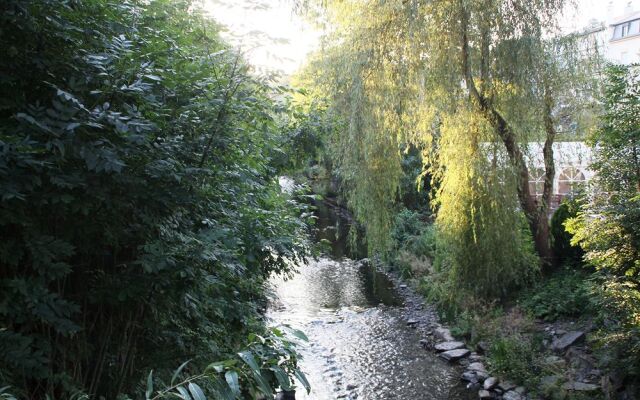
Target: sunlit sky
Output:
{"points": [[275, 38]]}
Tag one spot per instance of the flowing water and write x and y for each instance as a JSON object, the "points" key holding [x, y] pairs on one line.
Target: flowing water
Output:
{"points": [[359, 343]]}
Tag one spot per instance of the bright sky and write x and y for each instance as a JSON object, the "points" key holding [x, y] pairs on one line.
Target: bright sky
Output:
{"points": [[273, 35], [277, 39]]}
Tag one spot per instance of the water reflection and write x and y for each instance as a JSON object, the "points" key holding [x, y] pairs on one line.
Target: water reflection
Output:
{"points": [[360, 345]]}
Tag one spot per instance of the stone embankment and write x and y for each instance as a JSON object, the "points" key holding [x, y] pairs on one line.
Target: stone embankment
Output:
{"points": [[576, 369]]}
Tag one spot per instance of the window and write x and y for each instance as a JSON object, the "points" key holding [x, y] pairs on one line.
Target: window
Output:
{"points": [[570, 181], [626, 29], [536, 182]]}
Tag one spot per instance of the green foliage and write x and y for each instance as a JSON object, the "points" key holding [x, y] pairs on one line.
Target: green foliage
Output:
{"points": [[567, 293], [617, 340], [565, 252], [515, 358], [140, 212], [268, 363], [412, 232], [608, 229]]}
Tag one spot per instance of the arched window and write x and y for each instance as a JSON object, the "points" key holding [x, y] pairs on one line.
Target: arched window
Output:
{"points": [[536, 181], [571, 180]]}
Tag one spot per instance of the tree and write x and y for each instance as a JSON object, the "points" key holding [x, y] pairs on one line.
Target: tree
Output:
{"points": [[398, 69], [140, 213], [608, 228]]}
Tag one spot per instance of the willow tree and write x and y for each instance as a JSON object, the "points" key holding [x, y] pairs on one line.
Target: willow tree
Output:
{"points": [[397, 69]]}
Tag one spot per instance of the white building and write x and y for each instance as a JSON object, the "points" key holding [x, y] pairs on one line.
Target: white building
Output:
{"points": [[617, 39]]}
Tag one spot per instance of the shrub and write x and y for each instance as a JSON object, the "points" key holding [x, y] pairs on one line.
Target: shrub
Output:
{"points": [[564, 294], [565, 252]]}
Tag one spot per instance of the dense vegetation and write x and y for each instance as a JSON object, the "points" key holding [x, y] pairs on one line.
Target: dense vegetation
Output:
{"points": [[140, 212]]}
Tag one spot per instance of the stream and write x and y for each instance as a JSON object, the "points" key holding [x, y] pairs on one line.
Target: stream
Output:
{"points": [[359, 343]]}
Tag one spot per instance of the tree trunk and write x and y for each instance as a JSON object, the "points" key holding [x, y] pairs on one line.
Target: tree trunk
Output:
{"points": [[536, 216]]}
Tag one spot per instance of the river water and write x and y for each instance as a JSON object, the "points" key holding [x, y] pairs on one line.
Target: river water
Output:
{"points": [[359, 343]]}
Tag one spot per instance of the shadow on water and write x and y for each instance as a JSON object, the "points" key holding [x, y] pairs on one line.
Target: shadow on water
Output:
{"points": [[359, 344]]}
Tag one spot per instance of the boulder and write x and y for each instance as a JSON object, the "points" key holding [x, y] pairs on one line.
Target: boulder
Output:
{"points": [[444, 334], [506, 386], [512, 395], [469, 376], [550, 382], [446, 346], [454, 355], [566, 340], [490, 383], [477, 366]]}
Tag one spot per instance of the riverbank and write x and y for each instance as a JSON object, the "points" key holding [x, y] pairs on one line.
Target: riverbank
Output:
{"points": [[505, 352]]}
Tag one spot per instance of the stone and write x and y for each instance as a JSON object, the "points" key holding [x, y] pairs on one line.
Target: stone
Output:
{"points": [[482, 347], [506, 386], [477, 366], [444, 334], [351, 386], [484, 394], [425, 343], [454, 355], [550, 381], [580, 386], [521, 390], [469, 376], [412, 322], [403, 286], [446, 346], [555, 361], [482, 375], [512, 395], [566, 340], [490, 383]]}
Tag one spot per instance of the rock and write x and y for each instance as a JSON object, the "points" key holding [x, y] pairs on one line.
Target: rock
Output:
{"points": [[482, 375], [446, 346], [412, 322], [403, 286], [521, 390], [484, 394], [512, 395], [506, 386], [425, 343], [482, 347], [351, 386], [469, 376], [490, 383], [580, 386], [550, 382], [477, 366], [561, 332], [555, 361], [566, 340], [454, 355], [444, 334]]}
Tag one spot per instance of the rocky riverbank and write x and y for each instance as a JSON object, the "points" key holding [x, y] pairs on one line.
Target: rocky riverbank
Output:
{"points": [[569, 369]]}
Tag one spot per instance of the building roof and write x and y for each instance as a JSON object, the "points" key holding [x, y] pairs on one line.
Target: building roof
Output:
{"points": [[626, 18]]}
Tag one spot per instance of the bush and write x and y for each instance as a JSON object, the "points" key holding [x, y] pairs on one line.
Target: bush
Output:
{"points": [[567, 293], [565, 252], [139, 209], [515, 358]]}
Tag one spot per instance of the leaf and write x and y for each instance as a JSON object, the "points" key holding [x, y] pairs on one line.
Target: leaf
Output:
{"points": [[149, 391], [282, 377], [177, 371], [248, 358], [302, 378], [183, 392], [196, 392], [232, 380]]}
